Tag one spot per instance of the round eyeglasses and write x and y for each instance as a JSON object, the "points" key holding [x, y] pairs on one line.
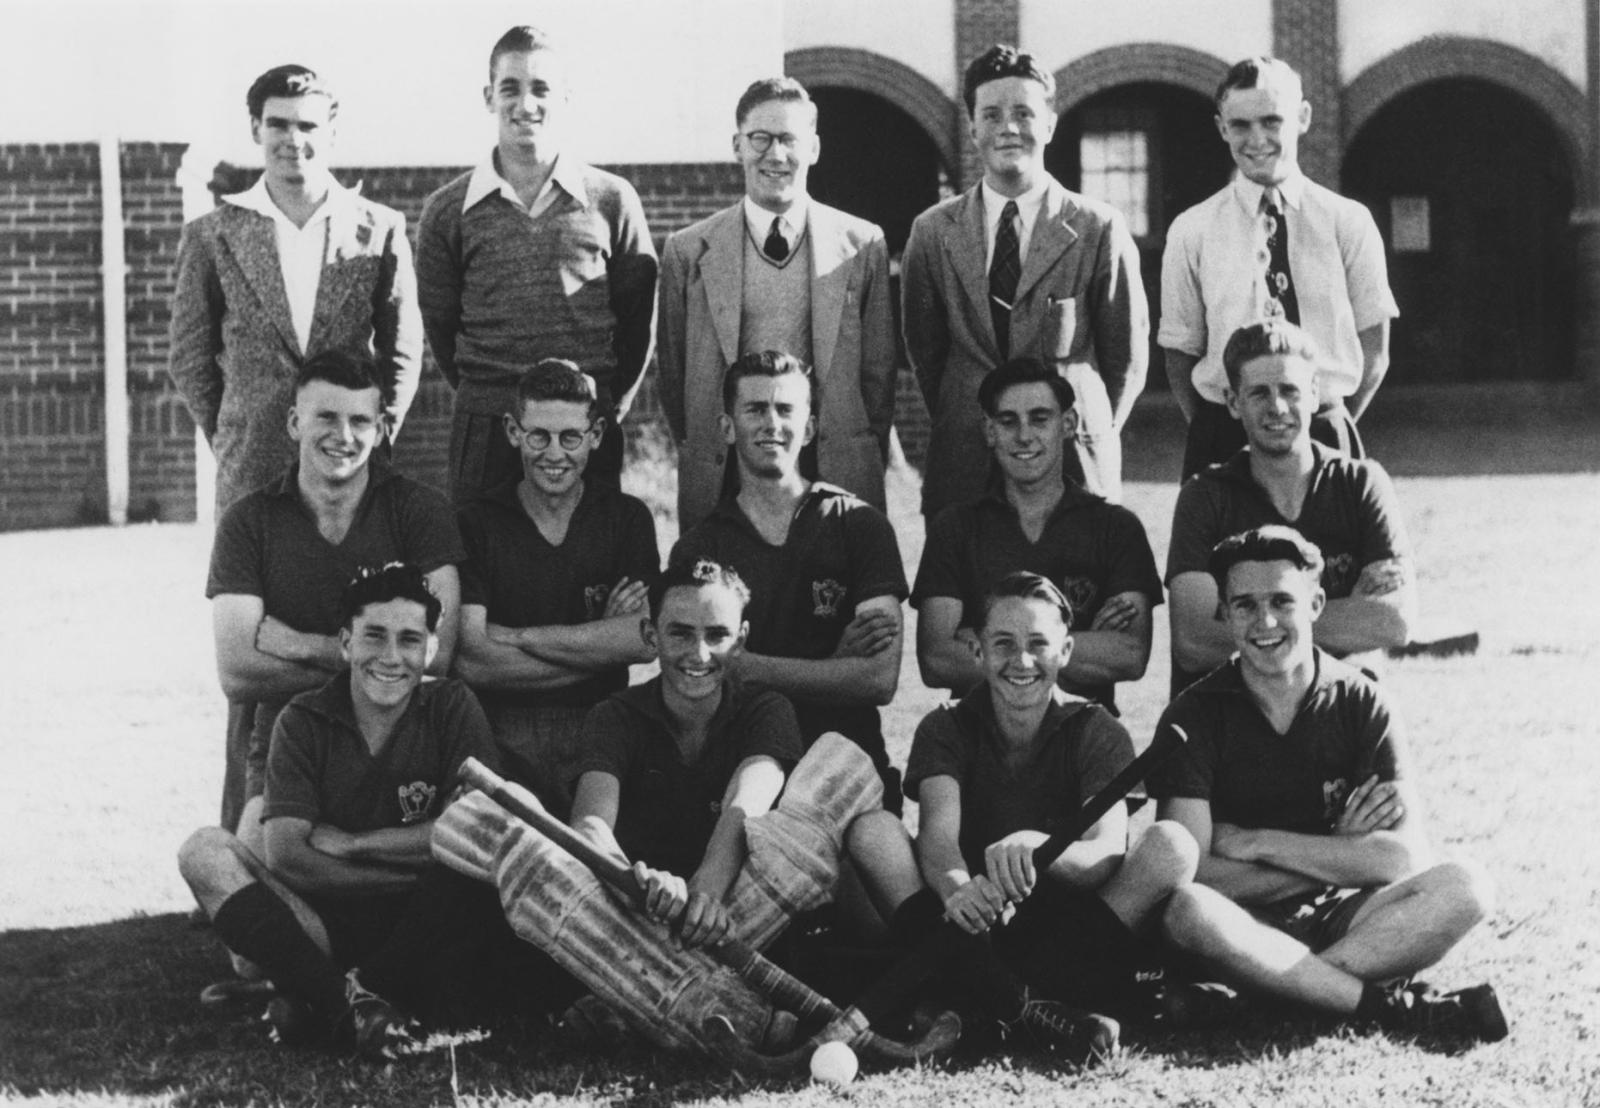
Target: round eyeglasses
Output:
{"points": [[539, 439]]}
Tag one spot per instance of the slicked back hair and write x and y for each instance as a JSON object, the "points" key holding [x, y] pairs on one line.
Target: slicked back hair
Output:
{"points": [[1022, 371], [381, 584], [697, 573], [287, 82], [786, 89], [349, 370], [1001, 61], [521, 39], [1272, 543], [1251, 72], [557, 379], [766, 363], [1023, 585], [1262, 339]]}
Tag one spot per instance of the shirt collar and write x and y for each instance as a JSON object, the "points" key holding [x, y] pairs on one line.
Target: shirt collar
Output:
{"points": [[486, 181], [1073, 496], [335, 703], [647, 700], [1027, 204], [977, 707], [379, 472], [257, 199], [793, 221], [1248, 193]]}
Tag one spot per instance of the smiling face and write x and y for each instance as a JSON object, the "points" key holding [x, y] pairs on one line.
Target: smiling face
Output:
{"points": [[388, 647], [1262, 127], [296, 136], [1270, 607], [1275, 401], [776, 177], [770, 423], [336, 429], [1028, 433], [552, 468], [1022, 648], [526, 93], [1012, 121], [698, 632]]}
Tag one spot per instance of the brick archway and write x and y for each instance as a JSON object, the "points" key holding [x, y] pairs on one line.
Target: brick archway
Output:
{"points": [[892, 81], [1156, 62], [1432, 59]]}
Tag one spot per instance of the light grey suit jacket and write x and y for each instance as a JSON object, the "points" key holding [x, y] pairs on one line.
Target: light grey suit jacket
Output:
{"points": [[233, 352], [852, 344], [1080, 307]]}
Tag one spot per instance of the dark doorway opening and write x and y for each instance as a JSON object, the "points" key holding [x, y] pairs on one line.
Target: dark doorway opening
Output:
{"points": [[1473, 194], [1150, 149], [877, 162]]}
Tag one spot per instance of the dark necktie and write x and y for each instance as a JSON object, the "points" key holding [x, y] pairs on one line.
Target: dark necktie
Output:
{"points": [[1281, 298], [1003, 276], [776, 247]]}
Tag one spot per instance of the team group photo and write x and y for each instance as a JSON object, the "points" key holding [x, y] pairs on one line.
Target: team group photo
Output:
{"points": [[963, 552]]}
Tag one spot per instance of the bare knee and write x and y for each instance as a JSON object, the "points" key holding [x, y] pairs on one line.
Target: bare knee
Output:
{"points": [[210, 864], [877, 836], [1166, 855], [1190, 919], [1463, 890]]}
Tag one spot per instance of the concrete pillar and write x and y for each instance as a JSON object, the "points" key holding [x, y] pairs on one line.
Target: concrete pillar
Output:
{"points": [[979, 25], [1305, 33]]}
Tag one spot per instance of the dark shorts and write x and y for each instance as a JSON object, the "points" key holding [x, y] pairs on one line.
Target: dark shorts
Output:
{"points": [[359, 925], [1317, 919], [1067, 945]]}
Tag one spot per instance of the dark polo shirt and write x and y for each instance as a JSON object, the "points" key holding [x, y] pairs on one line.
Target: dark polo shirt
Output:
{"points": [[1350, 512], [320, 769], [268, 545], [840, 552], [1092, 549], [668, 807], [523, 580], [1254, 777], [1081, 748]]}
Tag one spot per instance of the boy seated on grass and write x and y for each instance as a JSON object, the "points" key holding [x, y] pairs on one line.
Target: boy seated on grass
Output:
{"points": [[996, 773], [356, 774], [1316, 883]]}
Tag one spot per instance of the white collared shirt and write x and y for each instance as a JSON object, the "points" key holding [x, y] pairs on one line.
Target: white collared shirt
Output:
{"points": [[1029, 205], [302, 251], [1212, 278], [486, 180], [792, 222]]}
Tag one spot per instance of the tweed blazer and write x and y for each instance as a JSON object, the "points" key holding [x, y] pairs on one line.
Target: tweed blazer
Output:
{"points": [[233, 351], [852, 344], [1080, 307]]}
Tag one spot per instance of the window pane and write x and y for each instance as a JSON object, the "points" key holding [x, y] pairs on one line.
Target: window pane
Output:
{"points": [[1115, 167]]}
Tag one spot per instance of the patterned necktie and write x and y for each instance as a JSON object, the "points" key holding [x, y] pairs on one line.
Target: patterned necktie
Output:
{"points": [[1003, 276], [1281, 299], [776, 247]]}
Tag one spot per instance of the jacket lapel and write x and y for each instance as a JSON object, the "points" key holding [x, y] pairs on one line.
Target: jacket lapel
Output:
{"points": [[250, 240], [721, 272], [968, 258], [1052, 237], [830, 280]]}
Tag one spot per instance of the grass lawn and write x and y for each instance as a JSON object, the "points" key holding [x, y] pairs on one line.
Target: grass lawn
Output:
{"points": [[111, 754]]}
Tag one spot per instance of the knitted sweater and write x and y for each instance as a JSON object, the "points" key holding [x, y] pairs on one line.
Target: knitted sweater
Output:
{"points": [[500, 290]]}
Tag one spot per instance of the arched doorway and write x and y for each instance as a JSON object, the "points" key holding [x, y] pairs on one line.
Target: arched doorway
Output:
{"points": [[877, 162], [1473, 191], [1152, 150]]}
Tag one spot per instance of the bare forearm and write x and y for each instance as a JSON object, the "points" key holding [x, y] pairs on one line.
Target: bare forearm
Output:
{"points": [[725, 854], [1357, 623], [321, 651], [305, 869], [866, 681], [486, 663], [1375, 858], [1180, 379], [1252, 883], [1099, 657], [260, 676], [949, 664], [599, 644], [393, 846], [1087, 864], [1201, 644]]}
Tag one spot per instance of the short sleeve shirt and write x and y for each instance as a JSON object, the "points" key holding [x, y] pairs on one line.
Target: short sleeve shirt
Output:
{"points": [[268, 545], [523, 580], [668, 807], [320, 768], [1082, 748], [840, 552], [1092, 549], [1350, 512], [1254, 777]]}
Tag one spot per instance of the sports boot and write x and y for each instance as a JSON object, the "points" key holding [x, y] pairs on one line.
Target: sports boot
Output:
{"points": [[1415, 1009]]}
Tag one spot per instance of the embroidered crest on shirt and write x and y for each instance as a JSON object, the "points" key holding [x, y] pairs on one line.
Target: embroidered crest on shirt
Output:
{"points": [[1081, 593], [826, 596], [594, 600], [1339, 573], [415, 801]]}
